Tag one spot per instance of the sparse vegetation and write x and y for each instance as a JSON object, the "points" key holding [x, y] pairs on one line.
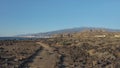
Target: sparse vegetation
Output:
{"points": [[65, 52]]}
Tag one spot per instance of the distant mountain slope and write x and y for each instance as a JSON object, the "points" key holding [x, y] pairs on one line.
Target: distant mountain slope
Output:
{"points": [[72, 30]]}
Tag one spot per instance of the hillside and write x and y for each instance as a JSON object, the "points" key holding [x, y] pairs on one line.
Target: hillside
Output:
{"points": [[61, 52], [71, 30]]}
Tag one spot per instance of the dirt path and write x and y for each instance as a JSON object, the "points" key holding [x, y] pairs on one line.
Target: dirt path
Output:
{"points": [[45, 59], [45, 46]]}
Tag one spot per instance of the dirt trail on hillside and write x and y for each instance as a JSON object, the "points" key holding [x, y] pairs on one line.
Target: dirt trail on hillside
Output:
{"points": [[45, 59], [45, 46]]}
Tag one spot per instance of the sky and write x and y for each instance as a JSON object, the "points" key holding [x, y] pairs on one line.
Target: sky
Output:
{"points": [[34, 16]]}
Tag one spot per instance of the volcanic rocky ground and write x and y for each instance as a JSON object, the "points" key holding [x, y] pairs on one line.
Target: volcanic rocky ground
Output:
{"points": [[61, 53]]}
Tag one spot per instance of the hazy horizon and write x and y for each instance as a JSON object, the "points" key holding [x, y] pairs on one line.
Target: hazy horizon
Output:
{"points": [[56, 30], [28, 16]]}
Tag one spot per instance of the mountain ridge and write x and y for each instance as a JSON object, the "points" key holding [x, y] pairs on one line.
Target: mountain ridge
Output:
{"points": [[70, 30]]}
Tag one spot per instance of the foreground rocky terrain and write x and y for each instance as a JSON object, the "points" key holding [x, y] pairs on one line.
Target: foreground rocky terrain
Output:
{"points": [[61, 52], [87, 53], [14, 53]]}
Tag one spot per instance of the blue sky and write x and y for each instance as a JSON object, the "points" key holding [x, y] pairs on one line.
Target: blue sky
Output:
{"points": [[33, 16]]}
